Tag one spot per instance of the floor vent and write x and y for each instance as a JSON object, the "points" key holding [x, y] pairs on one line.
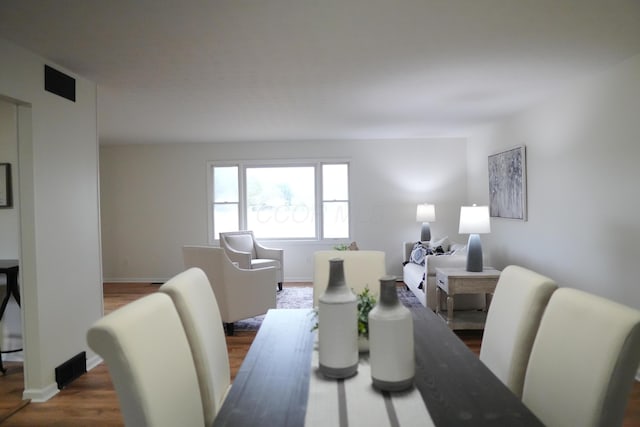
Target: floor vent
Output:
{"points": [[71, 369]]}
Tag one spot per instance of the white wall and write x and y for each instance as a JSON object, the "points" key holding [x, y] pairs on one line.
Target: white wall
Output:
{"points": [[583, 149], [154, 199], [59, 216], [9, 218]]}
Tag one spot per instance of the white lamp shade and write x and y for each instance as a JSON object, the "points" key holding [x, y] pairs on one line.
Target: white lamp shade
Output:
{"points": [[474, 220], [426, 213]]}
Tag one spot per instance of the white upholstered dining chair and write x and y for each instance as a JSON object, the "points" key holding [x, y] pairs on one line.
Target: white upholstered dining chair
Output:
{"points": [[583, 361], [240, 293], [146, 350], [517, 305], [243, 248], [196, 304]]}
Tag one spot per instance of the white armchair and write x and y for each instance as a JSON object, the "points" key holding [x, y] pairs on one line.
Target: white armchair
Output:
{"points": [[243, 248], [240, 293]]}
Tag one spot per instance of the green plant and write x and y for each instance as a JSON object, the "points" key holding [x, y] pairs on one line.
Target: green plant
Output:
{"points": [[366, 302], [341, 247]]}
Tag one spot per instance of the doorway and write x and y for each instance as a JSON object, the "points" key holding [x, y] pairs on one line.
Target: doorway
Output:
{"points": [[11, 325]]}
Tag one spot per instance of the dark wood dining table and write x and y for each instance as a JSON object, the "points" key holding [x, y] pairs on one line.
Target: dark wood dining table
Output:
{"points": [[272, 385]]}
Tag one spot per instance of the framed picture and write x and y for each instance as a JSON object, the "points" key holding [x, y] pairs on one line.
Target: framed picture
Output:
{"points": [[6, 195], [508, 184]]}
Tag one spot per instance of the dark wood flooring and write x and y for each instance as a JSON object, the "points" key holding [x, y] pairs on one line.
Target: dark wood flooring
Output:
{"points": [[91, 400]]}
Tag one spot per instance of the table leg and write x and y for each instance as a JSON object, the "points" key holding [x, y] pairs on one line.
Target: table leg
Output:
{"points": [[487, 301], [449, 308]]}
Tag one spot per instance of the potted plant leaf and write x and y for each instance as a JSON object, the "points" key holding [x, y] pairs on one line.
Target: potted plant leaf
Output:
{"points": [[366, 302]]}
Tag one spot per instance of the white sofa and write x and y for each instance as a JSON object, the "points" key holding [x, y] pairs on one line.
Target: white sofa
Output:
{"points": [[415, 274]]}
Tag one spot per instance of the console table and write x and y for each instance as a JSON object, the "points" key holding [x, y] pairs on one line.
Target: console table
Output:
{"points": [[453, 281], [9, 267]]}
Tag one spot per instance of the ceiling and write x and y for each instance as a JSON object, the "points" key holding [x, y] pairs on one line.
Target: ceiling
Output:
{"points": [[274, 70]]}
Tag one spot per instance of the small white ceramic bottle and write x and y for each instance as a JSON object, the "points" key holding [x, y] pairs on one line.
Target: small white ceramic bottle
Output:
{"points": [[391, 351], [338, 326]]}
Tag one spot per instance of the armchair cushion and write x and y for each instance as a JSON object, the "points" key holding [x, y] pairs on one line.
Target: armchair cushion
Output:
{"points": [[241, 243]]}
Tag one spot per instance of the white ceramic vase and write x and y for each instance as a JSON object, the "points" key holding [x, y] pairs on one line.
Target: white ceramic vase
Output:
{"points": [[338, 326], [391, 351]]}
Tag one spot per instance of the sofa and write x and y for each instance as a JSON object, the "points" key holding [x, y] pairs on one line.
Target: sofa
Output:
{"points": [[421, 279]]}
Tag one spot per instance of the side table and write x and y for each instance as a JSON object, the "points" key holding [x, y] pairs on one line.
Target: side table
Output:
{"points": [[453, 281]]}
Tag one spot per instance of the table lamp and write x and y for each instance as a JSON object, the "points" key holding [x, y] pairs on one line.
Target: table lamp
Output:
{"points": [[475, 221], [425, 214]]}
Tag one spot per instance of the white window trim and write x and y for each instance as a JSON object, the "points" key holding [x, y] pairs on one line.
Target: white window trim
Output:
{"points": [[243, 164]]}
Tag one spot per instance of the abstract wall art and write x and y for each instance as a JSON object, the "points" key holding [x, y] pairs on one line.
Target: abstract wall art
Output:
{"points": [[508, 184]]}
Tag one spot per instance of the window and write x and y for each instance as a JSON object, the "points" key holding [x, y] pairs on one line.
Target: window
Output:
{"points": [[298, 201], [335, 200]]}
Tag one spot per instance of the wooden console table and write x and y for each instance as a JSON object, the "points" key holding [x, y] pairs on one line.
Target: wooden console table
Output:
{"points": [[454, 281], [9, 267]]}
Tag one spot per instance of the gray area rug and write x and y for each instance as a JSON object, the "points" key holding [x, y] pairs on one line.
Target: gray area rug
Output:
{"points": [[302, 297]]}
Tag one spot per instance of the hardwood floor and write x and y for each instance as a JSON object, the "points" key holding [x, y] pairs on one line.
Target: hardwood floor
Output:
{"points": [[91, 400]]}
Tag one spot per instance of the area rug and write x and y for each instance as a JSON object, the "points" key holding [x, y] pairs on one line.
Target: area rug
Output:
{"points": [[302, 297]]}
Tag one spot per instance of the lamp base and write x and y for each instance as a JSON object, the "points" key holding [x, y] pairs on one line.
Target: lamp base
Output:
{"points": [[474, 253], [425, 233]]}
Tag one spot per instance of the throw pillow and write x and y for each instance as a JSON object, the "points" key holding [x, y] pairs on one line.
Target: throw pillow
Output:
{"points": [[444, 242], [458, 249], [419, 251]]}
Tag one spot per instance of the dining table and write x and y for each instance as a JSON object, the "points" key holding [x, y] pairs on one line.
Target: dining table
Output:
{"points": [[279, 383]]}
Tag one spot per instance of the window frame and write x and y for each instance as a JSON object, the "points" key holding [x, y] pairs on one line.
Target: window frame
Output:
{"points": [[243, 165]]}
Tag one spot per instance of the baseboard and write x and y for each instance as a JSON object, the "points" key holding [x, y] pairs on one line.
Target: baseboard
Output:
{"points": [[134, 280], [298, 279], [162, 280], [93, 361], [41, 395]]}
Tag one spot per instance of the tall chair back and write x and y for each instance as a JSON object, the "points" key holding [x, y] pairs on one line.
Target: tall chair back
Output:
{"points": [[583, 361], [512, 322], [146, 350], [196, 304]]}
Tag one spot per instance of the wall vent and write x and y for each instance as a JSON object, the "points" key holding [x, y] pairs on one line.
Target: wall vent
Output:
{"points": [[59, 83], [71, 369]]}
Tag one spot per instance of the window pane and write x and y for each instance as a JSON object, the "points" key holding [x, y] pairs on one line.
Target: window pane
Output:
{"points": [[225, 184], [225, 218], [281, 201], [336, 220], [335, 182]]}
